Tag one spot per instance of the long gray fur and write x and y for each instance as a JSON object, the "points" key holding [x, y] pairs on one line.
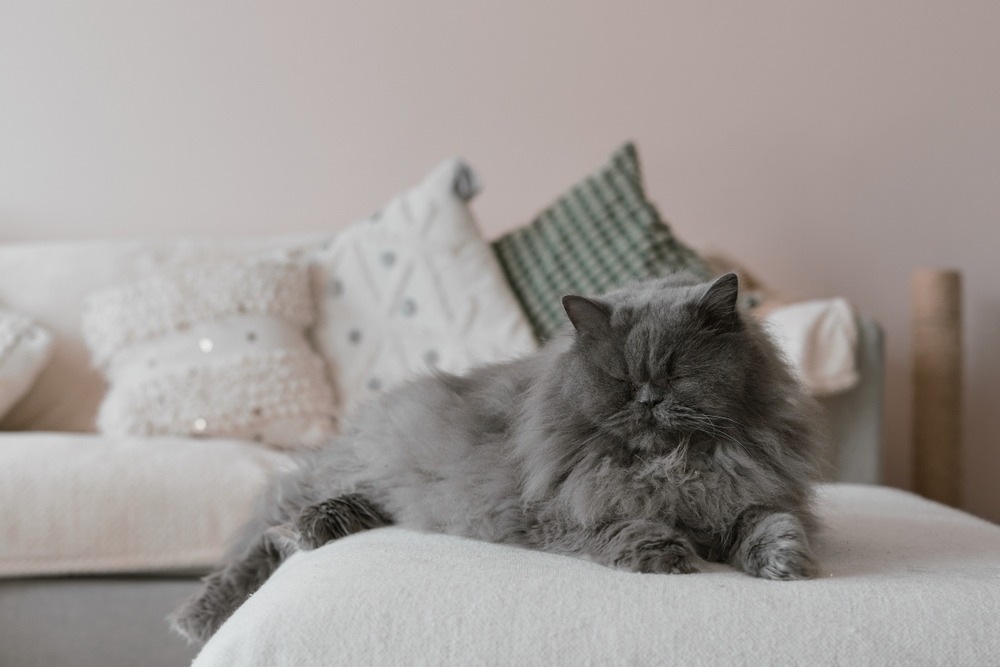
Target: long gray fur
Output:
{"points": [[661, 429]]}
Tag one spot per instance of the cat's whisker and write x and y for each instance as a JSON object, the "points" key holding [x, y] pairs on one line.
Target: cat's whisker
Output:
{"points": [[716, 430], [734, 441], [728, 419]]}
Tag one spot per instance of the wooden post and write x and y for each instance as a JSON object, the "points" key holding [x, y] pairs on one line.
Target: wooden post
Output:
{"points": [[937, 384]]}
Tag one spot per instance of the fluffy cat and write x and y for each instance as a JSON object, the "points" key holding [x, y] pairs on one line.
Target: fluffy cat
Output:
{"points": [[661, 429]]}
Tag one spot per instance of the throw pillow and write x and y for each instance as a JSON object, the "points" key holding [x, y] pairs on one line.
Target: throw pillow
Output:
{"points": [[49, 280], [600, 234], [819, 340], [25, 348], [413, 288], [213, 350]]}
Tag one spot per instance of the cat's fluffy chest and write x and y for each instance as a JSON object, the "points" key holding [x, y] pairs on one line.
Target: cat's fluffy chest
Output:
{"points": [[690, 488]]}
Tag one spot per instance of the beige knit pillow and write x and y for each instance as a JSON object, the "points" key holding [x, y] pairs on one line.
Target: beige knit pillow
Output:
{"points": [[215, 350]]}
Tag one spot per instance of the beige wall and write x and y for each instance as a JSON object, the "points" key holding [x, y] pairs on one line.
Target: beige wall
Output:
{"points": [[833, 146]]}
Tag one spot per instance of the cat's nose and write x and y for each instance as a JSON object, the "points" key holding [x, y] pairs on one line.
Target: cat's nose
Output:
{"points": [[647, 397]]}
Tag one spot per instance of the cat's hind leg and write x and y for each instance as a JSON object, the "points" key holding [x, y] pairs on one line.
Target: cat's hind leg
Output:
{"points": [[226, 589], [266, 548]]}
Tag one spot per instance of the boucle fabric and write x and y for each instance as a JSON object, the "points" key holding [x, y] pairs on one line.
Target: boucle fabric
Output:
{"points": [[25, 348], [414, 288], [138, 312], [904, 581], [48, 282], [215, 350], [88, 504], [600, 234]]}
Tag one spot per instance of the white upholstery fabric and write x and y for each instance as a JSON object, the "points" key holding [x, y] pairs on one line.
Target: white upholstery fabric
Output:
{"points": [[84, 504], [48, 281], [819, 340], [412, 288], [904, 582], [218, 349], [25, 348]]}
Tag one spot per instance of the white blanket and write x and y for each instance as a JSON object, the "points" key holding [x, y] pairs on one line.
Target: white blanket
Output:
{"points": [[904, 582]]}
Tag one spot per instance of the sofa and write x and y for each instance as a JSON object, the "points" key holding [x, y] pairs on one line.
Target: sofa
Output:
{"points": [[108, 614], [107, 521]]}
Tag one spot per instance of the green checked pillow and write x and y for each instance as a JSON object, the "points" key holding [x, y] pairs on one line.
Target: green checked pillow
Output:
{"points": [[599, 235]]}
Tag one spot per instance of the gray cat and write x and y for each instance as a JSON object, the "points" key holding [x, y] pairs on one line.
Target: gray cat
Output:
{"points": [[660, 430]]}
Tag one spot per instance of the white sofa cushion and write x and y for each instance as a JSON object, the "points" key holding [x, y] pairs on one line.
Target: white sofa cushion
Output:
{"points": [[25, 348], [904, 581], [217, 350], [415, 287], [85, 504]]}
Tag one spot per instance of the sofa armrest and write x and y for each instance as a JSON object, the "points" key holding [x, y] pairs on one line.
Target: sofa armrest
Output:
{"points": [[856, 415]]}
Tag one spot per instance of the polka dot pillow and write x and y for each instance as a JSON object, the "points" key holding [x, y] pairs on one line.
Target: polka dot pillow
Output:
{"points": [[414, 288], [213, 350]]}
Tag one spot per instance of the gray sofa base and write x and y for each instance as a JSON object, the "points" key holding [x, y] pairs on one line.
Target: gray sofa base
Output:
{"points": [[92, 622]]}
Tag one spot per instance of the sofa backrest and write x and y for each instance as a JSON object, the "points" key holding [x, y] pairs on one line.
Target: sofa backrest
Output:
{"points": [[49, 280]]}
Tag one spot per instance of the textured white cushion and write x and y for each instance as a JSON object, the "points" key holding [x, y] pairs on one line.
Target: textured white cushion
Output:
{"points": [[412, 288], [904, 581], [48, 281], [819, 340], [25, 348], [87, 504], [217, 349]]}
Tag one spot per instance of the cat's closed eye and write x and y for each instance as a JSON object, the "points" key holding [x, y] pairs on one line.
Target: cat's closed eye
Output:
{"points": [[631, 388], [624, 386]]}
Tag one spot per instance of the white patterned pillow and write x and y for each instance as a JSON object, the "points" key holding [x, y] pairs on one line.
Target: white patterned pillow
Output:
{"points": [[25, 348], [412, 288], [214, 350]]}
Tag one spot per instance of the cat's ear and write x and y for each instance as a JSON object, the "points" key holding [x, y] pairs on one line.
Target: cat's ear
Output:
{"points": [[588, 317], [718, 305]]}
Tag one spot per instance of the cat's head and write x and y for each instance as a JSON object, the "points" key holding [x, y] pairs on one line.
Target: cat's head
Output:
{"points": [[666, 360]]}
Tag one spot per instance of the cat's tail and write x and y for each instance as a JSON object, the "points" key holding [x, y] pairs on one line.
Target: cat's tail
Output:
{"points": [[261, 552]]}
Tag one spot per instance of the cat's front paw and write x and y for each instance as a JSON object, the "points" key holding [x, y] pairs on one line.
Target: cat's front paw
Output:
{"points": [[335, 518], [777, 549], [654, 549], [312, 528]]}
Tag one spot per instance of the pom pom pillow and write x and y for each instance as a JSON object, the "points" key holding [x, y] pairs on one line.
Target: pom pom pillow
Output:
{"points": [[600, 234], [413, 288], [25, 348], [214, 350]]}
